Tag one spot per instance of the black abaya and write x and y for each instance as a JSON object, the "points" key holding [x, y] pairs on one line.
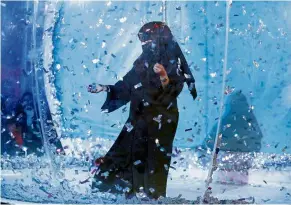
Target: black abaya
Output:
{"points": [[141, 155]]}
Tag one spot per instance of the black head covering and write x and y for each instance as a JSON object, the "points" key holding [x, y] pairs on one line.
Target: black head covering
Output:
{"points": [[156, 39], [160, 46]]}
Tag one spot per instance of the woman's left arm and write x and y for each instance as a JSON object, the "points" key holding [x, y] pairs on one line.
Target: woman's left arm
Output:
{"points": [[161, 71], [171, 88]]}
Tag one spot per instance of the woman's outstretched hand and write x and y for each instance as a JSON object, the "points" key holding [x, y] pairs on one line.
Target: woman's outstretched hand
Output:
{"points": [[95, 88]]}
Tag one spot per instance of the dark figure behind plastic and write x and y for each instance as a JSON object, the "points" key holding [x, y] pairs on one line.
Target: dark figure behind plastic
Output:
{"points": [[139, 160]]}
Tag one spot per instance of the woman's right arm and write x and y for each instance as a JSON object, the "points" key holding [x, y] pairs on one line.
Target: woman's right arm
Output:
{"points": [[117, 95]]}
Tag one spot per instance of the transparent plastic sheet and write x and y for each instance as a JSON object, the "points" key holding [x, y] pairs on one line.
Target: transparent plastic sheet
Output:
{"points": [[257, 105], [87, 42]]}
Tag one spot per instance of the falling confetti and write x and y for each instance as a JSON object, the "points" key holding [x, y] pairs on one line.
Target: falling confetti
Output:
{"points": [[157, 142], [145, 103], [152, 190], [158, 119], [169, 105], [137, 162], [137, 85], [128, 126], [58, 66], [105, 174], [213, 74], [187, 76], [95, 61], [122, 20], [256, 64], [166, 167]]}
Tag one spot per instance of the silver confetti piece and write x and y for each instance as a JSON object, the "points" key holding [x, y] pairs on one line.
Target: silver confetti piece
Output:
{"points": [[166, 167], [158, 119], [137, 162], [179, 67], [169, 105], [157, 142], [128, 126], [145, 103], [105, 174], [187, 76], [137, 85], [126, 189], [104, 111], [152, 190]]}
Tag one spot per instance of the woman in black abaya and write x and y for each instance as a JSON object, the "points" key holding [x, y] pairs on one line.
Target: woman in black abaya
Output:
{"points": [[139, 160]]}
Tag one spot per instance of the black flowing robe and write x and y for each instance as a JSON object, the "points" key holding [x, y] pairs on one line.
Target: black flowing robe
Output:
{"points": [[141, 155]]}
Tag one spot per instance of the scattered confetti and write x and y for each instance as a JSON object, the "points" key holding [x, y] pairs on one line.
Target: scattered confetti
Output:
{"points": [[166, 167], [158, 119], [58, 66], [122, 20], [157, 142], [95, 61], [137, 85], [145, 103], [169, 105], [213, 74], [284, 149], [187, 76], [256, 64], [152, 190], [137, 162], [128, 126], [105, 174]]}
